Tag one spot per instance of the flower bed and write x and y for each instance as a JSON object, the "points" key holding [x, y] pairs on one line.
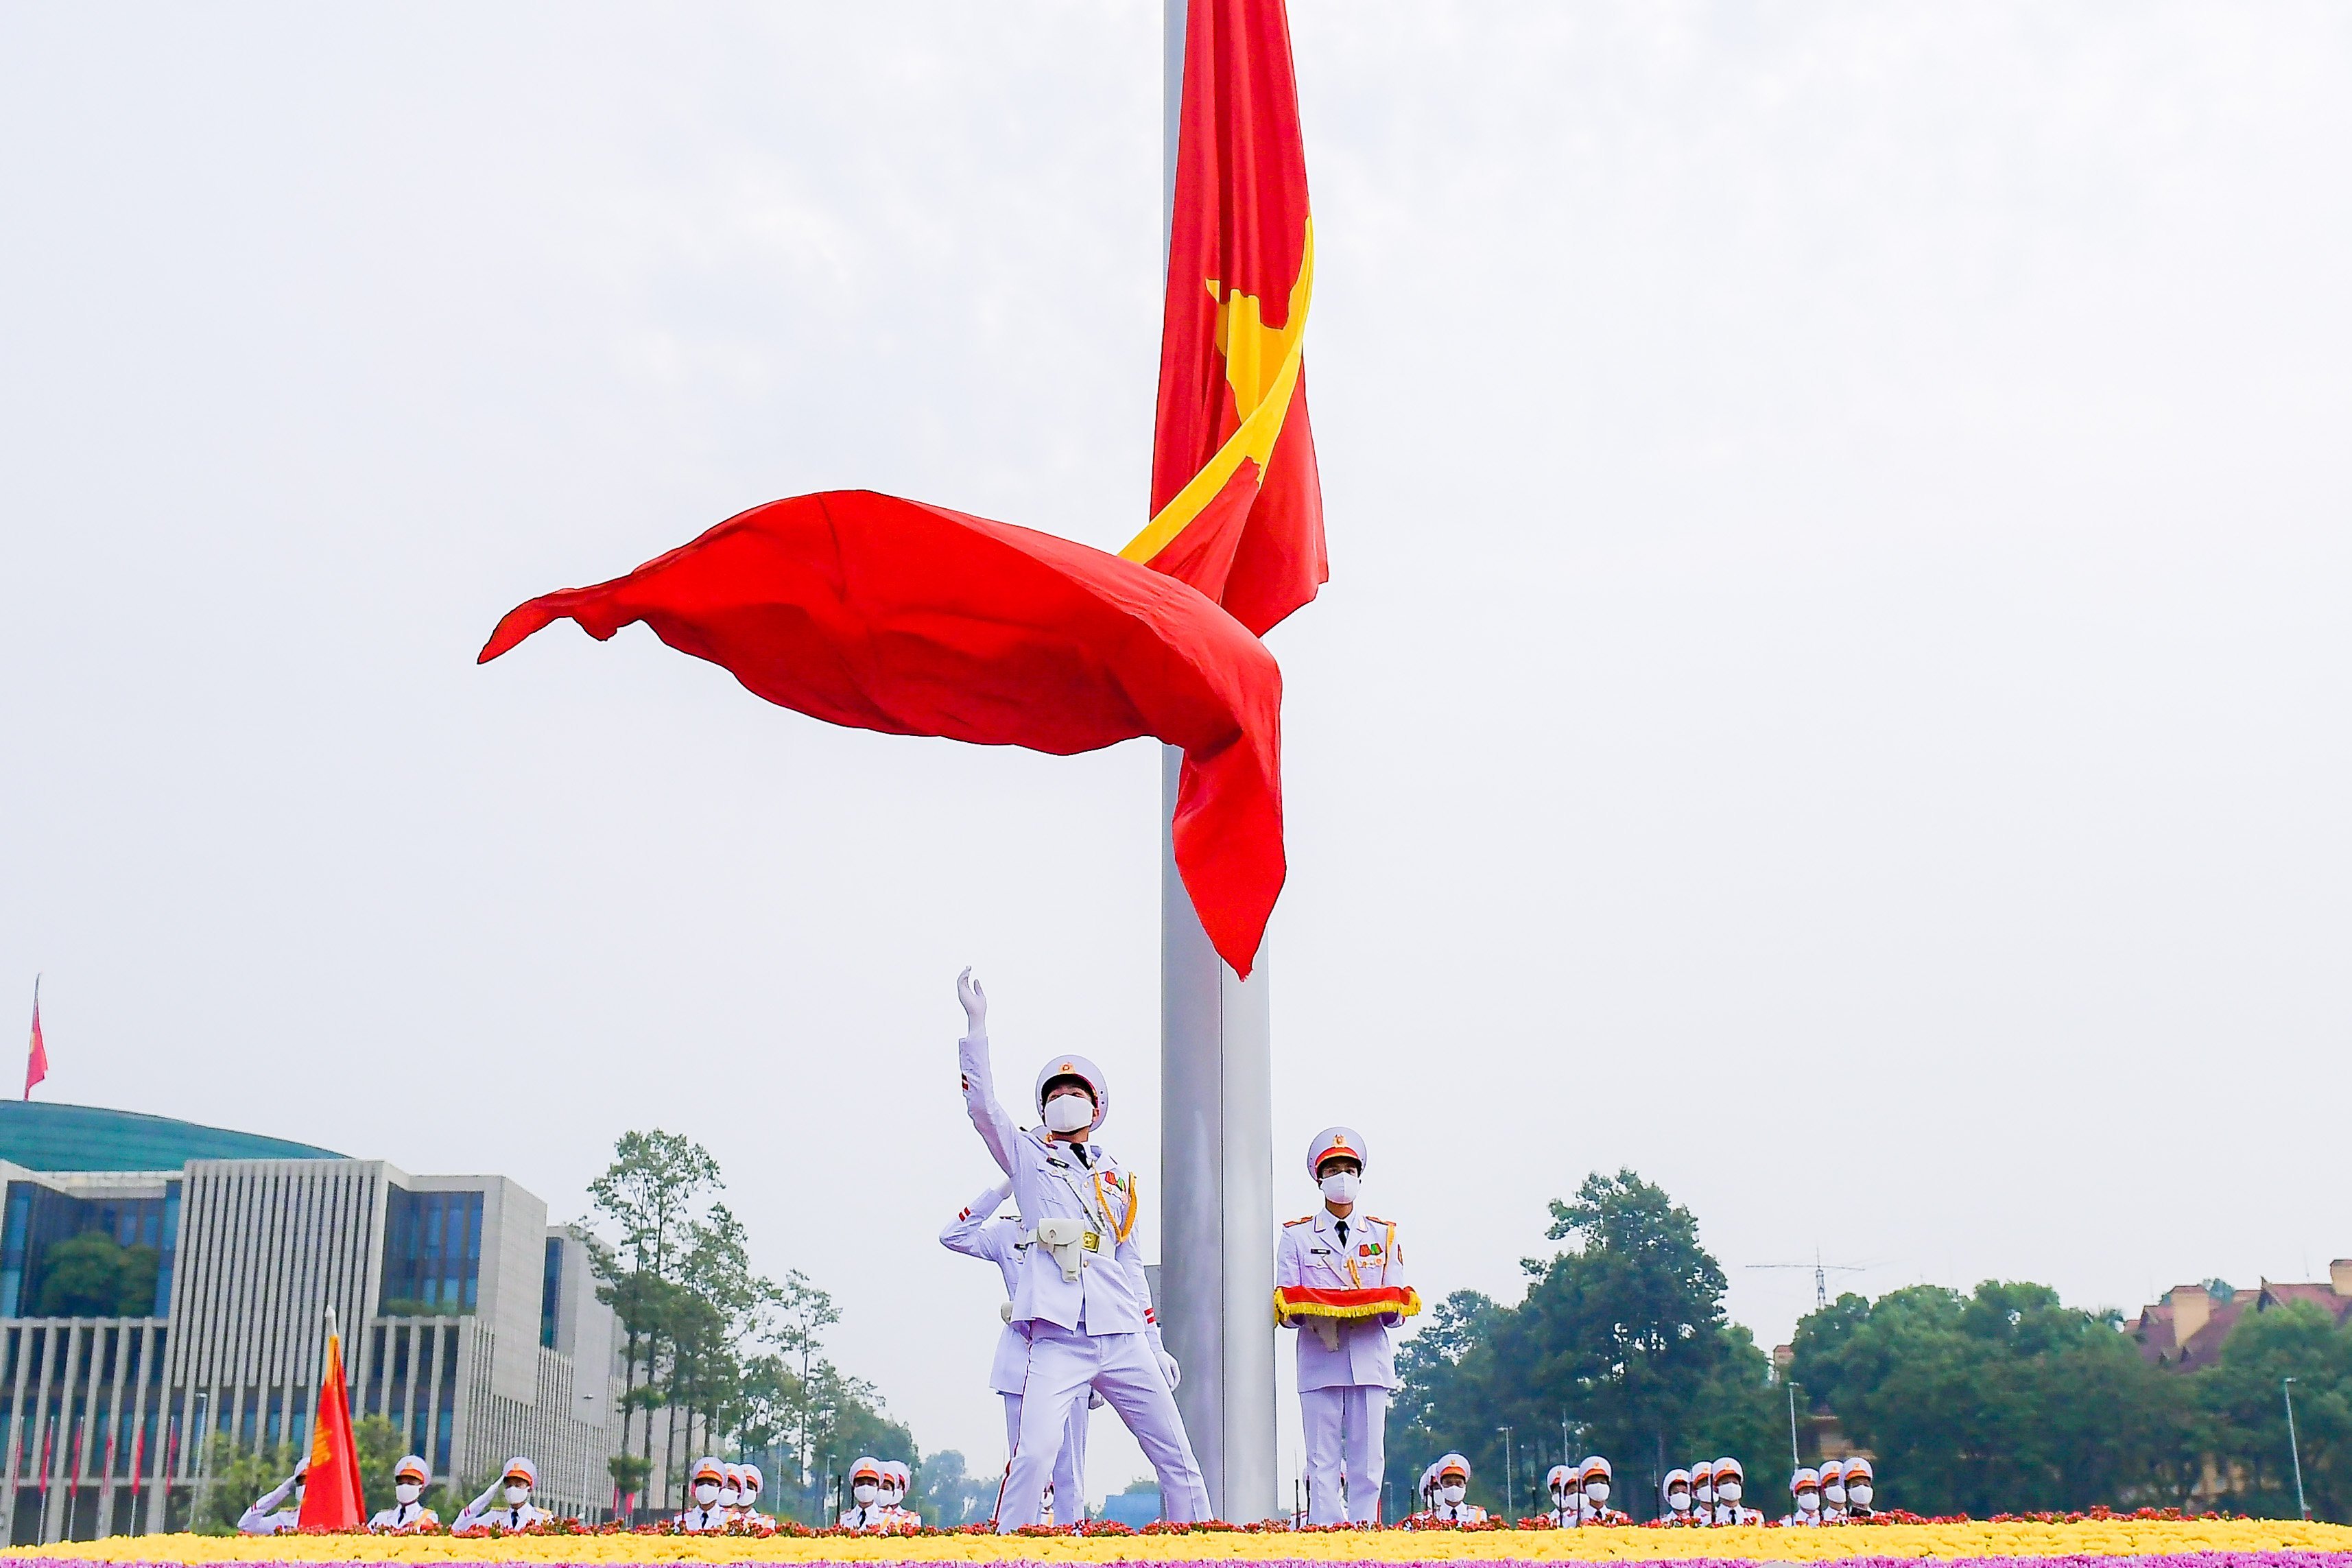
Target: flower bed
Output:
{"points": [[2155, 1542]]}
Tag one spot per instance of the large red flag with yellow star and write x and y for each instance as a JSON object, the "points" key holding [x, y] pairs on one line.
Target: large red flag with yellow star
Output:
{"points": [[1237, 508]]}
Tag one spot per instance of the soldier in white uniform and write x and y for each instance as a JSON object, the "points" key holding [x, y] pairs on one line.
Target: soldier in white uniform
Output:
{"points": [[1447, 1506], [1833, 1491], [407, 1515], [1567, 1497], [1730, 1480], [1805, 1490], [1081, 1297], [1702, 1476], [266, 1517], [505, 1504], [705, 1484], [1678, 1489], [896, 1482], [1861, 1487], [749, 1484], [978, 1232], [1346, 1369], [730, 1489], [866, 1509]]}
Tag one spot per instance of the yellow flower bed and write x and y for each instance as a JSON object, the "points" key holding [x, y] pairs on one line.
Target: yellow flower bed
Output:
{"points": [[2105, 1538]]}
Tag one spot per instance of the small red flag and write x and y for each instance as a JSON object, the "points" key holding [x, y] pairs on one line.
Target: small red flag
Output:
{"points": [[36, 1055], [331, 1497], [1236, 502]]}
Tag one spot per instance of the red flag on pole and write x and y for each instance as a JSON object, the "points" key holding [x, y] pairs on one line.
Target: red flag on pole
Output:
{"points": [[882, 614], [331, 1497], [36, 1054], [1236, 502]]}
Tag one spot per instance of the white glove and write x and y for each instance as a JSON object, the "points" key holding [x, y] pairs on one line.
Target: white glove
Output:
{"points": [[1171, 1371], [975, 1004]]}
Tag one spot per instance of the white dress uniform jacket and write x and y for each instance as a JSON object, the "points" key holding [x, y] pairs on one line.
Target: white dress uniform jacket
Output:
{"points": [[266, 1518], [474, 1515], [401, 1518], [1313, 1253]]}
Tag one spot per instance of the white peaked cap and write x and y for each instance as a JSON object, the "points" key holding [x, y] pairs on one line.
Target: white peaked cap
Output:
{"points": [[520, 1465], [1334, 1141], [1083, 1069]]}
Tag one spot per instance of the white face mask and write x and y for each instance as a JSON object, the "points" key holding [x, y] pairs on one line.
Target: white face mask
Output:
{"points": [[1727, 1490], [1450, 1494], [408, 1492], [1597, 1490], [706, 1494], [728, 1497], [1834, 1492], [1340, 1186], [864, 1492], [1703, 1491], [1678, 1501], [1859, 1493], [1807, 1502], [1069, 1113], [517, 1496]]}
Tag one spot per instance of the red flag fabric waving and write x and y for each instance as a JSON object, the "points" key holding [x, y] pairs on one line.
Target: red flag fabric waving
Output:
{"points": [[36, 1054], [1236, 503], [332, 1494], [867, 610]]}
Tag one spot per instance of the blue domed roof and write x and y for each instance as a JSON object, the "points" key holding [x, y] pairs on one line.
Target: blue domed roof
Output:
{"points": [[41, 1136]]}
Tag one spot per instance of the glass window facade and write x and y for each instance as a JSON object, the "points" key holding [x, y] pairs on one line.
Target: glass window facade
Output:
{"points": [[431, 1253], [34, 1218], [550, 1290]]}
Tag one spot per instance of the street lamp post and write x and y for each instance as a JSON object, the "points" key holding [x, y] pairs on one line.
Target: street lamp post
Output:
{"points": [[2294, 1450], [1507, 1493], [1793, 1461]]}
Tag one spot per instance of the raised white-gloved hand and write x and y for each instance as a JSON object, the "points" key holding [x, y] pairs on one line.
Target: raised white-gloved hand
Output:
{"points": [[975, 1004], [1171, 1371]]}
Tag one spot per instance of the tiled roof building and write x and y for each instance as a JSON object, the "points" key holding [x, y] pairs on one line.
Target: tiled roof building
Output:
{"points": [[2184, 1331]]}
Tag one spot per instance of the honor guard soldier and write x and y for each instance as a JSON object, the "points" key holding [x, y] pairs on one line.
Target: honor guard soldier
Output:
{"points": [[1805, 1488], [1081, 1299], [505, 1504], [866, 1509], [731, 1490], [1861, 1486], [1730, 1480], [898, 1481], [1595, 1479], [1676, 1490], [1832, 1473], [1340, 1273], [1447, 1505], [407, 1515], [748, 1485], [977, 1232], [266, 1517], [707, 1483], [1702, 1476], [1567, 1500]]}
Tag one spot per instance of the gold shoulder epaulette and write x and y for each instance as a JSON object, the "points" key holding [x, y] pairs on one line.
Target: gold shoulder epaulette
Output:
{"points": [[1302, 1219], [1375, 1219]]}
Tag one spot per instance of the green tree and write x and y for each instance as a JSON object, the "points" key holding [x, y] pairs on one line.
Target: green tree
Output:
{"points": [[650, 1193], [1620, 1340], [2241, 1399]]}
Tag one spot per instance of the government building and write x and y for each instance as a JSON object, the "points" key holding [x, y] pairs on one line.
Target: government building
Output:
{"points": [[160, 1281]]}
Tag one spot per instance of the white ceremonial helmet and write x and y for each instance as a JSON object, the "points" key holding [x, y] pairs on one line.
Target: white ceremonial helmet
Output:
{"points": [[867, 1465], [898, 1476], [1806, 1475], [1673, 1476], [1731, 1470], [1329, 1141], [709, 1468], [1086, 1072], [1859, 1469], [1832, 1472], [1594, 1464], [412, 1467], [1451, 1462], [1559, 1475], [731, 1481], [752, 1480], [520, 1468]]}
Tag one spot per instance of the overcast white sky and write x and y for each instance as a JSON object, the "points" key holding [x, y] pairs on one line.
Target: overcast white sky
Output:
{"points": [[1832, 691]]}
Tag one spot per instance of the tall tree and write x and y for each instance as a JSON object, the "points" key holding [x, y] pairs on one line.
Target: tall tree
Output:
{"points": [[650, 1193]]}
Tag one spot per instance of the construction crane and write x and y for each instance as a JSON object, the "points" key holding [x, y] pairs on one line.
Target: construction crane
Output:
{"points": [[1822, 1272]]}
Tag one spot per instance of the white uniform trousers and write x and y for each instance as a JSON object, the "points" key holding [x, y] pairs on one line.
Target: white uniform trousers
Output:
{"points": [[1063, 1365], [1069, 1465], [1344, 1422]]}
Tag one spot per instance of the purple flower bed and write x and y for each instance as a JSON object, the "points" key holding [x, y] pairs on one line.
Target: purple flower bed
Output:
{"points": [[2146, 1559]]}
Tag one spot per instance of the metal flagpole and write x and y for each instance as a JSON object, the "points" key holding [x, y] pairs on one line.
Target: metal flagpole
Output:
{"points": [[1216, 1132]]}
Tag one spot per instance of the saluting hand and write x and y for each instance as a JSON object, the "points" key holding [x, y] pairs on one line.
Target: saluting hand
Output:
{"points": [[975, 1002]]}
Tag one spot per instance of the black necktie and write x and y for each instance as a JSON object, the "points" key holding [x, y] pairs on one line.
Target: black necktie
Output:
{"points": [[1343, 1233], [1080, 1150]]}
